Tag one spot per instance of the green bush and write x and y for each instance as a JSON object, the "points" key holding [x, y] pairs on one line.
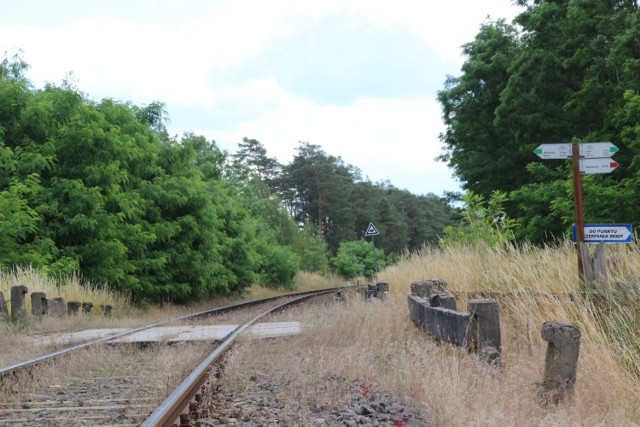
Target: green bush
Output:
{"points": [[356, 258]]}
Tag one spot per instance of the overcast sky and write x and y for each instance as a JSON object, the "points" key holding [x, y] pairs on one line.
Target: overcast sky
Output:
{"points": [[358, 78]]}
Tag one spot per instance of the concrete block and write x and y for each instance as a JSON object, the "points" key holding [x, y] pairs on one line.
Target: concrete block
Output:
{"points": [[108, 308], [382, 290], [86, 307], [560, 363], [447, 325], [422, 315], [38, 304], [73, 307], [370, 292], [485, 331], [425, 288], [444, 301], [415, 305], [18, 310], [56, 307]]}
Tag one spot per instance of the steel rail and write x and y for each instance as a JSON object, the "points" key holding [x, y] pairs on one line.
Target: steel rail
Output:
{"points": [[39, 359], [170, 410]]}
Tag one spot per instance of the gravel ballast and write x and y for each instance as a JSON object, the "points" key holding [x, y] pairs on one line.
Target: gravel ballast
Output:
{"points": [[338, 402]]}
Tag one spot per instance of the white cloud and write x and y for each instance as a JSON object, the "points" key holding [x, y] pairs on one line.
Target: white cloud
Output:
{"points": [[193, 63], [394, 140]]}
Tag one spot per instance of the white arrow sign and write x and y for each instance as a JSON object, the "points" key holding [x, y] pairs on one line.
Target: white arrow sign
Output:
{"points": [[371, 230], [591, 150], [591, 166], [553, 151], [596, 150]]}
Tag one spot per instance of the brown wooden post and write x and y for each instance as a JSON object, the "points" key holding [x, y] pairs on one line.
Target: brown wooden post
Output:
{"points": [[577, 205]]}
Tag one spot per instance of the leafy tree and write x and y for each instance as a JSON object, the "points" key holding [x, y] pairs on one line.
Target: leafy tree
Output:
{"points": [[483, 221], [284, 241], [482, 154], [356, 258], [318, 187], [311, 251], [253, 155], [570, 71]]}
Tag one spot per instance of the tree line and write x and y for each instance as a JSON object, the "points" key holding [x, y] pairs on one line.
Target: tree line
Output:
{"points": [[100, 188], [563, 70]]}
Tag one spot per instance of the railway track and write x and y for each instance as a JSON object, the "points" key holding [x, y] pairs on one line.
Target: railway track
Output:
{"points": [[126, 384]]}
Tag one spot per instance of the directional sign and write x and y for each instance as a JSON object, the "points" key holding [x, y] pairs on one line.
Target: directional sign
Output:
{"points": [[371, 230], [596, 150], [608, 233], [591, 166], [553, 151], [590, 150]]}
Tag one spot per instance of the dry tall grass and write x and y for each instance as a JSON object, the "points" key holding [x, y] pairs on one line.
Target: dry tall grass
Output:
{"points": [[71, 289], [377, 342], [539, 279]]}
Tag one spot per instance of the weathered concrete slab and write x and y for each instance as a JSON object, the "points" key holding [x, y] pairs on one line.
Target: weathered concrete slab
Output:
{"points": [[425, 288], [275, 329], [18, 310], [447, 325], [487, 314], [39, 304], [179, 333], [415, 303], [57, 307]]}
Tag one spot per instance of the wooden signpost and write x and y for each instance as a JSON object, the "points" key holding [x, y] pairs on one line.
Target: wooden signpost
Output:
{"points": [[587, 158]]}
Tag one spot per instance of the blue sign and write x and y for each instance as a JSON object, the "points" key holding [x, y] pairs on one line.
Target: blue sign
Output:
{"points": [[607, 233]]}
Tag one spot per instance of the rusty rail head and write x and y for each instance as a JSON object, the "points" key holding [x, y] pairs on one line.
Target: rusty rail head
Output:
{"points": [[178, 400]]}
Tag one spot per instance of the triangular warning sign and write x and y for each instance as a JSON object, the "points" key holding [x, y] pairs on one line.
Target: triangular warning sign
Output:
{"points": [[371, 230]]}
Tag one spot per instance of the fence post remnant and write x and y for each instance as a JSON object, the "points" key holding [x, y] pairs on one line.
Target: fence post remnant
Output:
{"points": [[484, 328], [38, 304], [56, 307], [382, 290], [73, 307], [86, 307], [427, 287], [560, 362], [370, 292], [444, 301], [107, 308], [18, 310]]}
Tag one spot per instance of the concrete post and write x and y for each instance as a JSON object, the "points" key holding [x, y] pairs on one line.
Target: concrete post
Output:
{"points": [[425, 288], [18, 310], [56, 307], [107, 308], [73, 307], [443, 300], [38, 304], [4, 312], [370, 292], [560, 363], [484, 330], [86, 307], [382, 289]]}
